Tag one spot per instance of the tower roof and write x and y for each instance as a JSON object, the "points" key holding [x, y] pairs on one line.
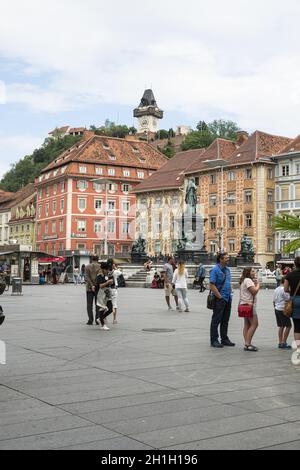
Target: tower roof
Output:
{"points": [[148, 106]]}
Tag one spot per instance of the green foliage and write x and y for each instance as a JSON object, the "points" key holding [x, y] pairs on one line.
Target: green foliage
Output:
{"points": [[290, 225], [29, 167], [207, 133], [224, 129], [197, 140], [163, 134], [110, 129]]}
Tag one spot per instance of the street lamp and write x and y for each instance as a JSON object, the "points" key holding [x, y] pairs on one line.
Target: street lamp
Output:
{"points": [[219, 163], [105, 182]]}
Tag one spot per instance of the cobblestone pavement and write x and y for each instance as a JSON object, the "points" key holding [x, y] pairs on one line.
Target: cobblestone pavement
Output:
{"points": [[70, 386]]}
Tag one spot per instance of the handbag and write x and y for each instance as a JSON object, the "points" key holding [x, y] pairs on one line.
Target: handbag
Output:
{"points": [[288, 307], [245, 311], [211, 298]]}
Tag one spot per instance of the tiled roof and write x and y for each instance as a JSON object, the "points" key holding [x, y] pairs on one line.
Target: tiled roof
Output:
{"points": [[111, 151], [219, 149], [77, 129], [59, 130], [171, 175], [258, 145], [293, 146], [16, 198]]}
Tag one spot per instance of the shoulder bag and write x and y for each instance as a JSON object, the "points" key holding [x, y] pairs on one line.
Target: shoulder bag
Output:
{"points": [[211, 298], [288, 307]]}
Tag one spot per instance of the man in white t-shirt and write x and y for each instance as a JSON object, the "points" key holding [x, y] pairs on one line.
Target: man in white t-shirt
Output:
{"points": [[168, 278]]}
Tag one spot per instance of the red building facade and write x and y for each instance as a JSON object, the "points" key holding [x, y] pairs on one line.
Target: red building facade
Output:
{"points": [[85, 201]]}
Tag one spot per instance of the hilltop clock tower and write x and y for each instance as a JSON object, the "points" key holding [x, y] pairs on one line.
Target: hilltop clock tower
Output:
{"points": [[148, 114]]}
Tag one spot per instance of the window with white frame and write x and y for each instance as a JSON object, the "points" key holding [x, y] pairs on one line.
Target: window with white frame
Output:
{"points": [[248, 174], [248, 197], [98, 204], [47, 191], [248, 220], [141, 174], [125, 227], [213, 200], [46, 228], [285, 193], [81, 246], [62, 205], [270, 220], [111, 172], [231, 176], [213, 179], [40, 194], [126, 206], [285, 170], [54, 226], [97, 187], [213, 223], [81, 225], [112, 187], [111, 226], [82, 185], [270, 173], [99, 170], [297, 167], [62, 187], [97, 226], [125, 188], [126, 173], [111, 206], [231, 198], [82, 204], [231, 244], [82, 169], [39, 212], [270, 244], [47, 209], [54, 205], [231, 221], [61, 225], [270, 196], [55, 189]]}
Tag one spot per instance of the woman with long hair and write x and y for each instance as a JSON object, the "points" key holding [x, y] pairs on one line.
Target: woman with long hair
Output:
{"points": [[248, 296], [180, 278]]}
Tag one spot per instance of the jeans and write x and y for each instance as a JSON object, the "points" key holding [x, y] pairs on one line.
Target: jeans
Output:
{"points": [[182, 298], [221, 317], [104, 313], [91, 299]]}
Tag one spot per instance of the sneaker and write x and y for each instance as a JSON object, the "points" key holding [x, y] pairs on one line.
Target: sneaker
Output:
{"points": [[170, 309], [178, 308], [216, 344], [280, 345], [187, 311], [89, 323], [104, 328], [286, 346]]}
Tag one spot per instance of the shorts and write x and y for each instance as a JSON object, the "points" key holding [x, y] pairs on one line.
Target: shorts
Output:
{"points": [[282, 320], [169, 290], [296, 325], [114, 298]]}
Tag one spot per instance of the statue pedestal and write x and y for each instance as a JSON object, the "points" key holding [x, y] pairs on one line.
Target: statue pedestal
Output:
{"points": [[245, 259], [139, 258]]}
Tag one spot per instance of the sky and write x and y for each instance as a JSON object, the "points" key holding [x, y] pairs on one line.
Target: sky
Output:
{"points": [[68, 62]]}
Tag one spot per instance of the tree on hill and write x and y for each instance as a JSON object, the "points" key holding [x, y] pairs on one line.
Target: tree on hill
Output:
{"points": [[29, 167], [205, 134]]}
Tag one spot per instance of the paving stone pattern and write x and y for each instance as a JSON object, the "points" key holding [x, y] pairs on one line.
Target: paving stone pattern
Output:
{"points": [[67, 385]]}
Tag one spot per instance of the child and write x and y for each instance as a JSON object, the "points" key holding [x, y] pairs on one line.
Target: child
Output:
{"points": [[104, 303], [283, 322]]}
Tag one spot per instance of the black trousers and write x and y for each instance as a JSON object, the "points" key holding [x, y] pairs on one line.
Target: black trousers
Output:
{"points": [[220, 317], [105, 313], [91, 298]]}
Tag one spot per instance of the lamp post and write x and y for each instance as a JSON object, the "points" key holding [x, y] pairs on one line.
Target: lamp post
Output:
{"points": [[219, 163]]}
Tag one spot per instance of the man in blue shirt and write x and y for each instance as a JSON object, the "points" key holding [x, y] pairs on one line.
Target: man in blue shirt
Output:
{"points": [[220, 285]]}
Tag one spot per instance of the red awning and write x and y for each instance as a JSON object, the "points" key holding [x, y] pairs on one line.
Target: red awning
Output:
{"points": [[52, 260]]}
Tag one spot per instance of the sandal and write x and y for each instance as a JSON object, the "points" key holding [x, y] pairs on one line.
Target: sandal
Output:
{"points": [[250, 348]]}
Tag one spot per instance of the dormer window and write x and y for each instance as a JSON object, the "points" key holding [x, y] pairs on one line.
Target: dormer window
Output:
{"points": [[142, 159], [106, 147], [112, 157], [135, 150]]}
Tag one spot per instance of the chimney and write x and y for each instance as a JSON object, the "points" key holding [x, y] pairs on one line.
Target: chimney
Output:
{"points": [[242, 137], [87, 135]]}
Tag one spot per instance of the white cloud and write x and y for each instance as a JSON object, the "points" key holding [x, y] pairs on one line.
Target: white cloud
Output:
{"points": [[11, 146], [228, 59]]}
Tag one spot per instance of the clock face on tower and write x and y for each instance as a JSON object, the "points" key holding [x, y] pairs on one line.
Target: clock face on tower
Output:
{"points": [[144, 122]]}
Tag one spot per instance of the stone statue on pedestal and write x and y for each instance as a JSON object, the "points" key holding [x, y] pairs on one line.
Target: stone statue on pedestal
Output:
{"points": [[191, 197]]}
